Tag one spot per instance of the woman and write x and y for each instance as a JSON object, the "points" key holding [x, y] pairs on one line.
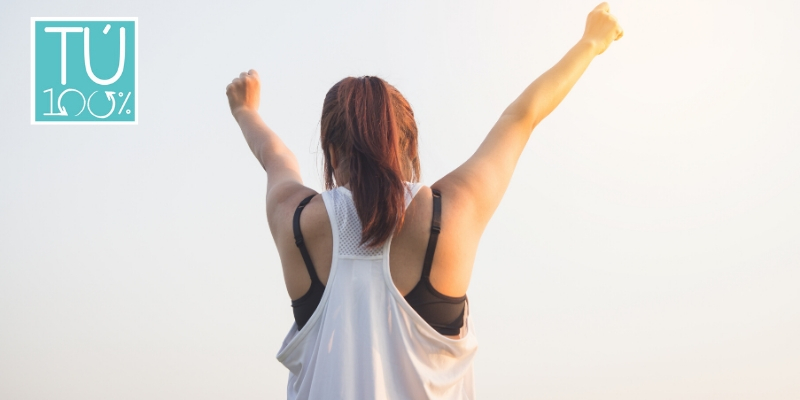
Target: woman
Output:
{"points": [[378, 265]]}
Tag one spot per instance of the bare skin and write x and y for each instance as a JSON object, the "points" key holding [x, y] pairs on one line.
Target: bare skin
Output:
{"points": [[470, 193]]}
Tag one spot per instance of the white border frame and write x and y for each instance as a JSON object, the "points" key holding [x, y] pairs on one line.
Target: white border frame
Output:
{"points": [[33, 70]]}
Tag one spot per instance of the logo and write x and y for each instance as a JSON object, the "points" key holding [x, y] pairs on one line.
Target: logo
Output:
{"points": [[84, 71]]}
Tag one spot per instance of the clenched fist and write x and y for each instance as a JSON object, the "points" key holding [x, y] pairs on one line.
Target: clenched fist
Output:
{"points": [[244, 92], [601, 28]]}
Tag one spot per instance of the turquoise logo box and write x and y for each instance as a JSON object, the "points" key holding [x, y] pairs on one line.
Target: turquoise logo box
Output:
{"points": [[84, 71]]}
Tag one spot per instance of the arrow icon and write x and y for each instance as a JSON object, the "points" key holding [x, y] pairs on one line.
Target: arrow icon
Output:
{"points": [[110, 96], [62, 112]]}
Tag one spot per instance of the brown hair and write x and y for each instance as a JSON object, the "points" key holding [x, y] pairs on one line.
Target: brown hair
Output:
{"points": [[371, 128]]}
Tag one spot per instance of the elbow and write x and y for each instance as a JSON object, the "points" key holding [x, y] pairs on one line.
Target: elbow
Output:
{"points": [[524, 121], [522, 117], [278, 161]]}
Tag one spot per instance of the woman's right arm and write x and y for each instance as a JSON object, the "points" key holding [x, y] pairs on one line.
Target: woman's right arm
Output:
{"points": [[478, 185]]}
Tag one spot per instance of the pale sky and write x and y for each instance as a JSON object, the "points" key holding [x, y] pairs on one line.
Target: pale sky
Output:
{"points": [[648, 246]]}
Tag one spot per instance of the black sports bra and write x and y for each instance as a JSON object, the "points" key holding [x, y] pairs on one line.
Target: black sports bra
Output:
{"points": [[443, 313]]}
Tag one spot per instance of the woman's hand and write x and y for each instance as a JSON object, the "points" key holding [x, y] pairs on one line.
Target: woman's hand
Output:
{"points": [[601, 28], [244, 92]]}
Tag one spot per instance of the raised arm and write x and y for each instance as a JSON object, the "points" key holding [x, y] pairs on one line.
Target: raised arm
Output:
{"points": [[479, 183], [283, 173]]}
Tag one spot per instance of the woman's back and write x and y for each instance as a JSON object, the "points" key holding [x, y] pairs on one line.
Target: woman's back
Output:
{"points": [[407, 251], [364, 340]]}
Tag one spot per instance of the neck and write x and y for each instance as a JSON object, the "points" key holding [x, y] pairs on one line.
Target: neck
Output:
{"points": [[342, 177]]}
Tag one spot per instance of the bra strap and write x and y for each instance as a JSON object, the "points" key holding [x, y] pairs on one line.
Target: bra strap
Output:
{"points": [[436, 227], [300, 242]]}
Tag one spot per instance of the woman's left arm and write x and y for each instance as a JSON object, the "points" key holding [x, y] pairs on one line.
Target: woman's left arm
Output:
{"points": [[283, 171]]}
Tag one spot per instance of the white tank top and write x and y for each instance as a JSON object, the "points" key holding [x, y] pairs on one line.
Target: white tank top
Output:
{"points": [[364, 341]]}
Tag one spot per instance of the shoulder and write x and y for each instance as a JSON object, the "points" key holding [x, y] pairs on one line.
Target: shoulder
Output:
{"points": [[282, 202]]}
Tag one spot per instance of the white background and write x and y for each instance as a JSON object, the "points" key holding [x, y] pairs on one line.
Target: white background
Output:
{"points": [[647, 248]]}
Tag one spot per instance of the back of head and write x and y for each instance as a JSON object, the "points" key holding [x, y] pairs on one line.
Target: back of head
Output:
{"points": [[370, 126]]}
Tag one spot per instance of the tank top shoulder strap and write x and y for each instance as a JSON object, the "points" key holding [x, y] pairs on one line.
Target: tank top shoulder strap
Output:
{"points": [[436, 224], [300, 242]]}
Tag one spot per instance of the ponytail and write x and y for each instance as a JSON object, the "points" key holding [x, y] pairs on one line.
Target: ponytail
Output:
{"points": [[372, 129]]}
